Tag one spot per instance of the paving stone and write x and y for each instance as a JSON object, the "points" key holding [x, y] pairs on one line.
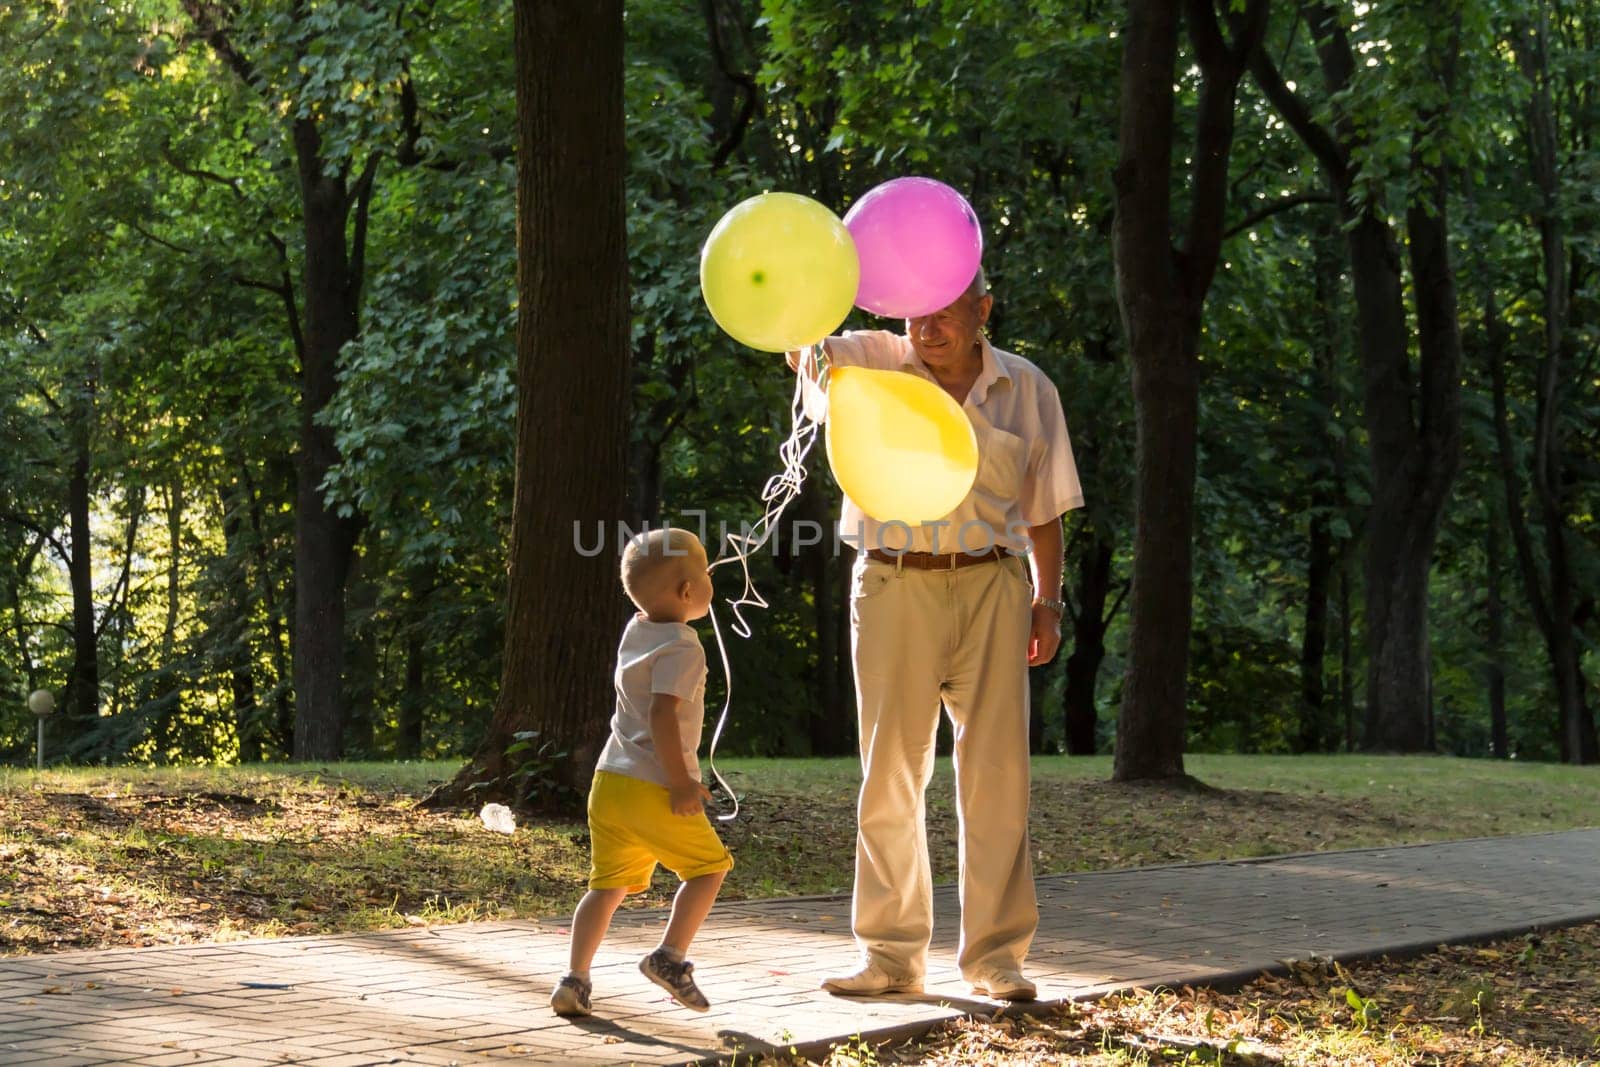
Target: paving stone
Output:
{"points": [[472, 992]]}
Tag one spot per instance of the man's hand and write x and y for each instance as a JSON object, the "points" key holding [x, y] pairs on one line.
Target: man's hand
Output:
{"points": [[689, 798], [804, 360], [1044, 635]]}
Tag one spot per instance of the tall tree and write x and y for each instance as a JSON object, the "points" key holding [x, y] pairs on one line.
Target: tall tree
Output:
{"points": [[1551, 594], [1412, 416], [324, 63], [572, 392], [1161, 289]]}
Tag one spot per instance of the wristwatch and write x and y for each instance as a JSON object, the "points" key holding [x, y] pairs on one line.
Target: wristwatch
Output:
{"points": [[1057, 606]]}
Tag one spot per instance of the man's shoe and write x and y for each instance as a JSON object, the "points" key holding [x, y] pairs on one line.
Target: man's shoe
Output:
{"points": [[571, 997], [1002, 984], [871, 980], [676, 977]]}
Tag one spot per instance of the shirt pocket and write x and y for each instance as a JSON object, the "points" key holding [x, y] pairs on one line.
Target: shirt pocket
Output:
{"points": [[1001, 458]]}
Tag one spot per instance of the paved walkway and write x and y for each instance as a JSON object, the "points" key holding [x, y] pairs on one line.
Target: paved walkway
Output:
{"points": [[477, 993]]}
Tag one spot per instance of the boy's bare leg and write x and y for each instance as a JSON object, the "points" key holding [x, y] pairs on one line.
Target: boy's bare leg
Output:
{"points": [[689, 910], [589, 925]]}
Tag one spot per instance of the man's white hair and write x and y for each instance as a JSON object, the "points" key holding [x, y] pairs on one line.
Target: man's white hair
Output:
{"points": [[979, 287]]}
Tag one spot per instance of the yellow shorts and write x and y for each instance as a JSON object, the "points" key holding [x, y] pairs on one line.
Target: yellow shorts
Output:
{"points": [[632, 828]]}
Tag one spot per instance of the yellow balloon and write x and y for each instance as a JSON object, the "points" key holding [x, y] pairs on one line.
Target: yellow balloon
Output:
{"points": [[900, 446], [779, 272]]}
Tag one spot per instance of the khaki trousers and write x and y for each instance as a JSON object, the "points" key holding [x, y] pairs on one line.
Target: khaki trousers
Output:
{"points": [[918, 639]]}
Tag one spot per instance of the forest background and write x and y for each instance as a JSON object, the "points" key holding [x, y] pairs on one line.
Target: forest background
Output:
{"points": [[259, 378]]}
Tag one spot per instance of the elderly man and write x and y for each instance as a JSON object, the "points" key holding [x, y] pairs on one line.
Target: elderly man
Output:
{"points": [[952, 618]]}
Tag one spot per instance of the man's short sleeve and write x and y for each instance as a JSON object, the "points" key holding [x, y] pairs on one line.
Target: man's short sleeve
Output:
{"points": [[873, 349], [1051, 486], [679, 669]]}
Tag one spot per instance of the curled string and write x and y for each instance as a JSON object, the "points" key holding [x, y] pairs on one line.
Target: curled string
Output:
{"points": [[776, 495]]}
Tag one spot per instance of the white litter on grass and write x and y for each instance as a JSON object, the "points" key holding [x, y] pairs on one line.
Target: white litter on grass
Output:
{"points": [[498, 817]]}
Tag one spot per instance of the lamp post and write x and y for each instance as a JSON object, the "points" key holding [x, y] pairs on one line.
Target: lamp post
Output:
{"points": [[42, 703]]}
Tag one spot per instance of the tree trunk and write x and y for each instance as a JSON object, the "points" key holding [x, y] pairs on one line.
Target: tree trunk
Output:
{"points": [[1578, 742], [117, 620], [1494, 652], [19, 629], [82, 699], [1326, 496], [644, 451], [164, 689], [1161, 292], [235, 622], [1314, 641], [323, 542], [331, 280], [829, 730], [277, 640], [1413, 433], [844, 665], [1347, 687], [169, 629], [363, 665], [1089, 624], [1150, 725], [1038, 682], [565, 609], [1411, 479], [1398, 558], [413, 697], [16, 582]]}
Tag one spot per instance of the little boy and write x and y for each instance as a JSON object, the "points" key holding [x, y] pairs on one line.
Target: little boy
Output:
{"points": [[645, 805]]}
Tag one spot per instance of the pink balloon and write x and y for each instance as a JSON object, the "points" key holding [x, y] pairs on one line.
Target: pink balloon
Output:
{"points": [[920, 245]]}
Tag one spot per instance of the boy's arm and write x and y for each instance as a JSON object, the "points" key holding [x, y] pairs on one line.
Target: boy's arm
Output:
{"points": [[687, 794]]}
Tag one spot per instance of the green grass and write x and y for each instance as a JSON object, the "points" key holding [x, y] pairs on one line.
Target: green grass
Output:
{"points": [[103, 856], [412, 777]]}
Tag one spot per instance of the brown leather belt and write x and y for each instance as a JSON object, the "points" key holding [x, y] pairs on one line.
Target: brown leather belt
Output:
{"points": [[928, 561]]}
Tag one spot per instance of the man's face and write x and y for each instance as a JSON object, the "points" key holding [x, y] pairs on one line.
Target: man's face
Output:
{"points": [[947, 337]]}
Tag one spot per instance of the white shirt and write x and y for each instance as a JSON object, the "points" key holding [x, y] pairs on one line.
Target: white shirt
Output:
{"points": [[655, 657], [1026, 473]]}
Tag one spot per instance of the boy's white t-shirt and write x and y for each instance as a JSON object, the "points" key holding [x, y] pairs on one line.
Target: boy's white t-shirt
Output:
{"points": [[655, 657]]}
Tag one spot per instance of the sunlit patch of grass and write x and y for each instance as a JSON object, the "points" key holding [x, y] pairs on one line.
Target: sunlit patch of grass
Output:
{"points": [[200, 852], [130, 857]]}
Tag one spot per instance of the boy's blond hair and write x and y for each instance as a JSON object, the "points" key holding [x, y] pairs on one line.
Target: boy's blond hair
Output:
{"points": [[653, 560]]}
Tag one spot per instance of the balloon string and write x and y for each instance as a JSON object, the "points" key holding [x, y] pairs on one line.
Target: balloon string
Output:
{"points": [[776, 495]]}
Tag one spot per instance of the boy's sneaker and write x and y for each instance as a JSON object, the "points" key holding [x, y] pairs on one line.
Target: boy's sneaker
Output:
{"points": [[571, 997], [676, 977]]}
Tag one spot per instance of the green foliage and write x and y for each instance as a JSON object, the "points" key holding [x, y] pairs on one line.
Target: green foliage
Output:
{"points": [[151, 226], [1365, 1014], [535, 781], [1244, 692]]}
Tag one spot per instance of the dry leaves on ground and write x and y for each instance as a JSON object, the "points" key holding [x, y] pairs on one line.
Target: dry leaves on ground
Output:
{"points": [[1526, 1002]]}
